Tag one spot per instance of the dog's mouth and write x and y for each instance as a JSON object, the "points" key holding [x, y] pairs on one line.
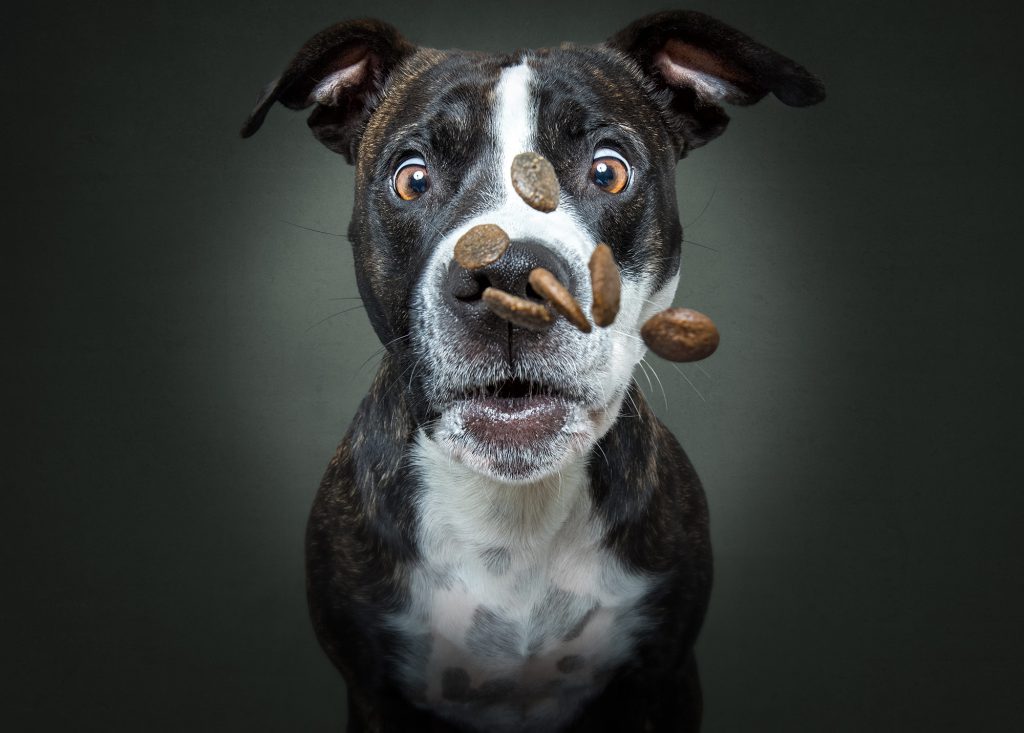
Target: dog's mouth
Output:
{"points": [[513, 412], [512, 394], [514, 429]]}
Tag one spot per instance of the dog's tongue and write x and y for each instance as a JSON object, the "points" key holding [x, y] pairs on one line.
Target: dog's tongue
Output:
{"points": [[515, 421]]}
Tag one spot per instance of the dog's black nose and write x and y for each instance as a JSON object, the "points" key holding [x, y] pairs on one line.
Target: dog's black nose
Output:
{"points": [[510, 273]]}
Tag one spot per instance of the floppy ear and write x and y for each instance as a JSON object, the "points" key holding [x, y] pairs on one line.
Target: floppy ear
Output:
{"points": [[342, 70], [697, 63]]}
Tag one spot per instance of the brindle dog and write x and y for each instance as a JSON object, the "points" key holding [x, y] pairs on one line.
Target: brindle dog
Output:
{"points": [[507, 539]]}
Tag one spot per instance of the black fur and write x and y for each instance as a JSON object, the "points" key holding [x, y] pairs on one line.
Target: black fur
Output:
{"points": [[360, 546]]}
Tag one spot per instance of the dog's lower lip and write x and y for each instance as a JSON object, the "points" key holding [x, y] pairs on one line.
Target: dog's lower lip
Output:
{"points": [[503, 416]]}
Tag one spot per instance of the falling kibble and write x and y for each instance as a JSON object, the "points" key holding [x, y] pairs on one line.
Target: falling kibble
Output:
{"points": [[517, 311], [535, 181], [604, 279], [680, 334], [481, 246], [547, 285]]}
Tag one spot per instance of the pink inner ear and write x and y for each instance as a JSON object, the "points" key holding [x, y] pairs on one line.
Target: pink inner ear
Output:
{"points": [[680, 55], [348, 72], [683, 64]]}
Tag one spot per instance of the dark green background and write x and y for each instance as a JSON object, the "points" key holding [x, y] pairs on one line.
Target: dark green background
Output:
{"points": [[178, 368]]}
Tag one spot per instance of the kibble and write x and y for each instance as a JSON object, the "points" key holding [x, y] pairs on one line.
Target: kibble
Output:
{"points": [[548, 286], [517, 311], [535, 181], [481, 246], [604, 280], [680, 334]]}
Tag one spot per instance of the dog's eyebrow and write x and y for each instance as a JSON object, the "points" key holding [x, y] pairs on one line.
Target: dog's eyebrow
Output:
{"points": [[419, 134], [631, 135]]}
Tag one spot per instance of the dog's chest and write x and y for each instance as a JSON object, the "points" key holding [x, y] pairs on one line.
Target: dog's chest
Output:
{"points": [[517, 612]]}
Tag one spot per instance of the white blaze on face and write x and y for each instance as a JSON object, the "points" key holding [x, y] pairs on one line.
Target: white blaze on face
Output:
{"points": [[514, 120]]}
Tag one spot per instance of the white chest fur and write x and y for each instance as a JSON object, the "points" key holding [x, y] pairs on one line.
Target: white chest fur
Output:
{"points": [[517, 613]]}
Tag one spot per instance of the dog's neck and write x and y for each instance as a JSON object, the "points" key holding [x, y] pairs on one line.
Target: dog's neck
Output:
{"points": [[481, 512]]}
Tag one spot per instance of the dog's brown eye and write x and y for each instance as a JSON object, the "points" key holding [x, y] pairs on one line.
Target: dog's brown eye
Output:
{"points": [[412, 179], [610, 171]]}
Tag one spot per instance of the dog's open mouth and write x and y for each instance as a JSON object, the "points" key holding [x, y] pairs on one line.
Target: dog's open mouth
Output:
{"points": [[514, 412]]}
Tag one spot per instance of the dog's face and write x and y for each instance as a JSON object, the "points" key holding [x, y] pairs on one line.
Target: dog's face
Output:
{"points": [[433, 135], [513, 403]]}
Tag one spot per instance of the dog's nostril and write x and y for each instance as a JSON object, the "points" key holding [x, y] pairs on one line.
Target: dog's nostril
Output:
{"points": [[471, 288]]}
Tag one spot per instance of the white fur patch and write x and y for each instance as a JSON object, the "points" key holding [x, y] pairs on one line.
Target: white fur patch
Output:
{"points": [[542, 628]]}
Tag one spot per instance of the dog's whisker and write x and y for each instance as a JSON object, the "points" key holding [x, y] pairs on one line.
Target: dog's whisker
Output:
{"points": [[434, 229], [702, 246], [711, 198], [378, 352], [636, 408], [381, 350], [311, 229], [396, 340], [411, 368], [660, 384], [646, 375], [334, 315], [688, 381], [415, 366], [627, 335]]}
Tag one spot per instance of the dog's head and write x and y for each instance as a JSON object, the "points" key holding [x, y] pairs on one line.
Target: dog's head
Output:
{"points": [[433, 135]]}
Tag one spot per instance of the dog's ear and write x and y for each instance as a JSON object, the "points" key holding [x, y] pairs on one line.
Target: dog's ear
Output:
{"points": [[697, 63], [341, 70]]}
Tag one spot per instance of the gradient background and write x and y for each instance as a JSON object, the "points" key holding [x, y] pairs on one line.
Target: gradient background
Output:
{"points": [[179, 365]]}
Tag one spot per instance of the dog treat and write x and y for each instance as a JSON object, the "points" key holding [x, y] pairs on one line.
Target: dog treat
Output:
{"points": [[604, 279], [680, 334], [517, 311], [561, 299], [535, 181], [481, 246]]}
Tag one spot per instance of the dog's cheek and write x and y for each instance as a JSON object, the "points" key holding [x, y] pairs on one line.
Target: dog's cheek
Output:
{"points": [[427, 338], [641, 298]]}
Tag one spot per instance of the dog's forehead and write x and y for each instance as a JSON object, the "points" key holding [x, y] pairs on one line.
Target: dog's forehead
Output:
{"points": [[454, 93]]}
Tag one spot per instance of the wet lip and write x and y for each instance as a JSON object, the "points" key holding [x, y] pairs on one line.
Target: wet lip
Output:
{"points": [[514, 412]]}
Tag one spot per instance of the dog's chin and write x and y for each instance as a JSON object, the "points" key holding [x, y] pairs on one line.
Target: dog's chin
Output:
{"points": [[518, 439]]}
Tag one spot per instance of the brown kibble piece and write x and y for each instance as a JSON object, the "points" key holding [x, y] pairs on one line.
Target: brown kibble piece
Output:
{"points": [[604, 279], [680, 334], [561, 299], [481, 246], [517, 311], [535, 181]]}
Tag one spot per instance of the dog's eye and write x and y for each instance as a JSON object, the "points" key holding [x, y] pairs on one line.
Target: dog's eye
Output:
{"points": [[610, 171], [412, 179]]}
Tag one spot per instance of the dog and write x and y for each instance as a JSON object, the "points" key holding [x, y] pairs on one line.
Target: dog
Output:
{"points": [[507, 538]]}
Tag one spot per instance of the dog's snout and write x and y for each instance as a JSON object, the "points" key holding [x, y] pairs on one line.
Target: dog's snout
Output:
{"points": [[511, 273]]}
